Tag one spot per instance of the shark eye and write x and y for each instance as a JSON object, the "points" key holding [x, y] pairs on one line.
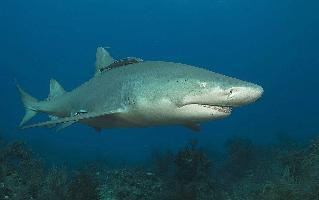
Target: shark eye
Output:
{"points": [[232, 91]]}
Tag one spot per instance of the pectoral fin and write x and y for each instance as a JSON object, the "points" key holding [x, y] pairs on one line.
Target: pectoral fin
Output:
{"points": [[67, 121], [65, 125]]}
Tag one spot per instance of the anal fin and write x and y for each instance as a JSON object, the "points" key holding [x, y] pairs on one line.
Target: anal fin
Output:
{"points": [[97, 129], [193, 126]]}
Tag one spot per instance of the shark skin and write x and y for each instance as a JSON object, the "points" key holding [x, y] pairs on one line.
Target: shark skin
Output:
{"points": [[142, 94]]}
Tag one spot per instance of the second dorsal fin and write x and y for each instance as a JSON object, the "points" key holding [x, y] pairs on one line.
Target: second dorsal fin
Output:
{"points": [[103, 59], [55, 89]]}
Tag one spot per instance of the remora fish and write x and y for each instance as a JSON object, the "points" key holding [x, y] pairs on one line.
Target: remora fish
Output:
{"points": [[140, 93]]}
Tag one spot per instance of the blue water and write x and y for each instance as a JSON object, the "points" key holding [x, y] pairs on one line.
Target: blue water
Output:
{"points": [[269, 42]]}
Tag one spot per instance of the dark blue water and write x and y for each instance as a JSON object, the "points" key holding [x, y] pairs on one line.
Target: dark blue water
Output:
{"points": [[272, 43]]}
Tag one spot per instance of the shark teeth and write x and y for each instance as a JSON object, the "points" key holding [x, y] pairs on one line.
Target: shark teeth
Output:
{"points": [[223, 109]]}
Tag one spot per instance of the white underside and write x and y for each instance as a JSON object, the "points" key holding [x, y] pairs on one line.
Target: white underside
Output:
{"points": [[160, 113]]}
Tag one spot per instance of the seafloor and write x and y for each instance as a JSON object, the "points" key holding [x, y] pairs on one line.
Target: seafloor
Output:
{"points": [[282, 171]]}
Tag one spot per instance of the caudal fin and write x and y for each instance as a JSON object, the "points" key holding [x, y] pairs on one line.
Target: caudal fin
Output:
{"points": [[29, 104]]}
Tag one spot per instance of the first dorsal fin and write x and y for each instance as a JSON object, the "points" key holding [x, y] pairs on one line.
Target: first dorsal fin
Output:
{"points": [[55, 89], [103, 59]]}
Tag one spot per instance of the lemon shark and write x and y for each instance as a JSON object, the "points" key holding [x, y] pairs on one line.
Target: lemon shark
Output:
{"points": [[141, 94]]}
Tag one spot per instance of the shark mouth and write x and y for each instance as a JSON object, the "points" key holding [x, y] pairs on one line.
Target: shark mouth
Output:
{"points": [[222, 109]]}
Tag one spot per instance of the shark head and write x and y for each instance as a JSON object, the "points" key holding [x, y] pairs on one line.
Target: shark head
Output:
{"points": [[194, 94], [223, 91], [220, 95]]}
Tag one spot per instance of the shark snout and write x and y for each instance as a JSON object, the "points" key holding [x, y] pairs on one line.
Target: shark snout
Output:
{"points": [[234, 96], [256, 92], [247, 95]]}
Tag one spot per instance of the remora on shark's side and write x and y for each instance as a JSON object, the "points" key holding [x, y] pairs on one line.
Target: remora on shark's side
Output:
{"points": [[142, 94]]}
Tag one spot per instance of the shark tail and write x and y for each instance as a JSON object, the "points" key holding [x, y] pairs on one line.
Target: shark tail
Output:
{"points": [[33, 106], [29, 103]]}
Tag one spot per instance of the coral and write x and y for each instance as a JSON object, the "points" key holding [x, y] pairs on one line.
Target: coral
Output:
{"points": [[133, 184], [285, 142], [185, 175], [163, 163], [311, 161], [193, 175], [83, 187], [292, 175], [55, 185], [249, 172], [240, 159], [192, 164], [292, 162], [21, 175]]}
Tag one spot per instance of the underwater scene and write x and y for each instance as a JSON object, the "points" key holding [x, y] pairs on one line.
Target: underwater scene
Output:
{"points": [[159, 100]]}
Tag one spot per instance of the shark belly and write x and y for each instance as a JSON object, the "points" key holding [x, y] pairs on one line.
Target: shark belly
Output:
{"points": [[161, 112]]}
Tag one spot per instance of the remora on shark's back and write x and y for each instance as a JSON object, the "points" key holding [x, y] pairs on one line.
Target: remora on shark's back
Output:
{"points": [[136, 93]]}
